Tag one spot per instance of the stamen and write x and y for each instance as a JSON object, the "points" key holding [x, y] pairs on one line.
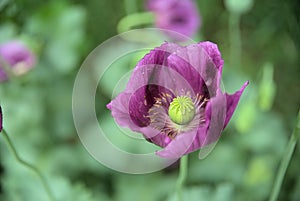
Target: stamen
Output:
{"points": [[161, 120]]}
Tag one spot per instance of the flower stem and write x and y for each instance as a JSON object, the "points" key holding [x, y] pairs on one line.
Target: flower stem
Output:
{"points": [[130, 6], [235, 39], [134, 28], [28, 165], [134, 20], [182, 176], [285, 161]]}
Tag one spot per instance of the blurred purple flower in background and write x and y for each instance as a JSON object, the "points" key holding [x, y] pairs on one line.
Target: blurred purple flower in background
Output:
{"points": [[180, 16], [174, 98], [17, 57]]}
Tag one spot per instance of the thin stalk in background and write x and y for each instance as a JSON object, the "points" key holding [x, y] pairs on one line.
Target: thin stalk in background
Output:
{"points": [[134, 20], [130, 6], [28, 165], [183, 168], [133, 24], [235, 40], [285, 161]]}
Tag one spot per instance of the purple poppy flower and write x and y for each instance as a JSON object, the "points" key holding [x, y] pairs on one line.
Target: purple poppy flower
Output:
{"points": [[180, 16], [174, 98], [17, 56]]}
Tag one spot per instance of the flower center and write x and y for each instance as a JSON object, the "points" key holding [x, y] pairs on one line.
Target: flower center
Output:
{"points": [[179, 20], [182, 110]]}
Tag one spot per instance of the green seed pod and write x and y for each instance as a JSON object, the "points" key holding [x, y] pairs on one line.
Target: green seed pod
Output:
{"points": [[182, 110]]}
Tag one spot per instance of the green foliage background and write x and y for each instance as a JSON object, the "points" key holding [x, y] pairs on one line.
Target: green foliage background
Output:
{"points": [[37, 107]]}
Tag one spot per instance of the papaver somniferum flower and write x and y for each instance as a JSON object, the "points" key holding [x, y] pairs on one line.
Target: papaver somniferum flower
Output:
{"points": [[180, 16], [16, 56], [174, 98]]}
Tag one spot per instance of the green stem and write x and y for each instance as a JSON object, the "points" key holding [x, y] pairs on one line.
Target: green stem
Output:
{"points": [[28, 165], [235, 39], [183, 168], [130, 6], [285, 161], [134, 20]]}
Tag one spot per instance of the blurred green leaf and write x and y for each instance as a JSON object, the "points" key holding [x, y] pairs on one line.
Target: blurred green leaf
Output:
{"points": [[194, 194], [115, 77], [239, 7], [224, 192], [149, 187], [3, 3], [246, 114], [258, 172], [8, 31], [267, 88], [258, 177], [224, 158], [266, 136], [124, 138], [296, 191], [62, 44]]}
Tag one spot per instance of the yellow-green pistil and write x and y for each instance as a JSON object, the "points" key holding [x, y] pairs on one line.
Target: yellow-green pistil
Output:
{"points": [[182, 110]]}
